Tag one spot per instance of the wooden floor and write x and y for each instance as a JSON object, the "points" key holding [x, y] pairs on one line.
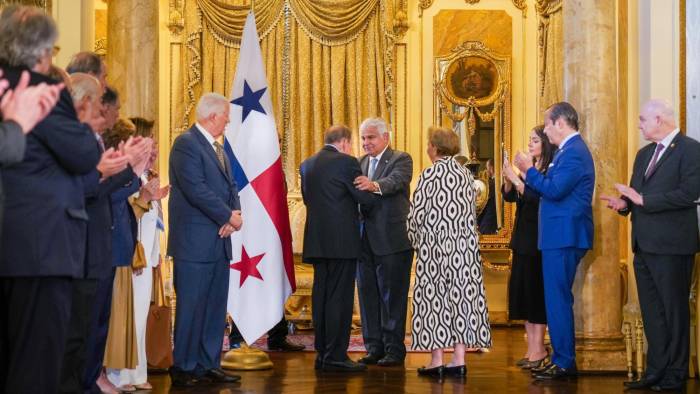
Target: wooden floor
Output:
{"points": [[491, 372]]}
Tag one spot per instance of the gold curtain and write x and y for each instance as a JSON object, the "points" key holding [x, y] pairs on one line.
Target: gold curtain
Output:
{"points": [[551, 41], [326, 62]]}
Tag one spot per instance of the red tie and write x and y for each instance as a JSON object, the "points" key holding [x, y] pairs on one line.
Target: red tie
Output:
{"points": [[650, 169]]}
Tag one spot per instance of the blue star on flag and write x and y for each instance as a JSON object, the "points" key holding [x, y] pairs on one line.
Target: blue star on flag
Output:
{"points": [[250, 101]]}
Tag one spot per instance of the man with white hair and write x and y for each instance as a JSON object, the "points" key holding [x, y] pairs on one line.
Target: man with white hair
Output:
{"points": [[384, 267], [204, 211], [665, 182]]}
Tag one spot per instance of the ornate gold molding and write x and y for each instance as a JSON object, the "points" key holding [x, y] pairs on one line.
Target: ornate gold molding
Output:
{"points": [[522, 6], [101, 46], [176, 20], [519, 4], [401, 19], [682, 65], [424, 5]]}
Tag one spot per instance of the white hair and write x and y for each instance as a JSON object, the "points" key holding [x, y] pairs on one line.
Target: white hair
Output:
{"points": [[663, 108], [85, 85], [211, 103], [375, 123]]}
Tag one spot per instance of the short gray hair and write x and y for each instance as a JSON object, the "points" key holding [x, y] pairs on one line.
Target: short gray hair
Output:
{"points": [[85, 85], [85, 62], [27, 34], [663, 108], [375, 123], [211, 103]]}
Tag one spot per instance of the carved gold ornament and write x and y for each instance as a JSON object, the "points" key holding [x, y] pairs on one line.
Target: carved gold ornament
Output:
{"points": [[473, 77]]}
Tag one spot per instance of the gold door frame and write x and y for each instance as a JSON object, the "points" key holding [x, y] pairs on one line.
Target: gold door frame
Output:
{"points": [[500, 97]]}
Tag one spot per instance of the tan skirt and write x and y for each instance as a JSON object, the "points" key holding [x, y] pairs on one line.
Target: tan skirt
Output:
{"points": [[121, 351]]}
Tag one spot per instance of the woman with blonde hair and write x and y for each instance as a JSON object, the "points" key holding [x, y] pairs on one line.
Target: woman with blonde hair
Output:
{"points": [[449, 301]]}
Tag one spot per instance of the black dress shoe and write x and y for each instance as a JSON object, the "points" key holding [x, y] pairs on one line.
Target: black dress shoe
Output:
{"points": [[370, 359], [390, 361], [557, 373], [541, 369], [179, 378], [668, 386], [458, 371], [343, 366], [285, 346], [643, 383], [216, 375], [437, 372]]}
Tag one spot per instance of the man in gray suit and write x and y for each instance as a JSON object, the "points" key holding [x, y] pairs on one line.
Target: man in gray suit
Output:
{"points": [[21, 109], [384, 267]]}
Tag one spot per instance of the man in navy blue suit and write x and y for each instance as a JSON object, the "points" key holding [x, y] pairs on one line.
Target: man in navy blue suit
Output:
{"points": [[204, 211], [566, 229]]}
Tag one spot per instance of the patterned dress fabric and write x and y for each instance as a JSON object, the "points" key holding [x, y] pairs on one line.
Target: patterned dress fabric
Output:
{"points": [[449, 300]]}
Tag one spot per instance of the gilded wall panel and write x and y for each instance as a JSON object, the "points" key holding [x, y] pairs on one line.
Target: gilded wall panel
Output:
{"points": [[490, 27]]}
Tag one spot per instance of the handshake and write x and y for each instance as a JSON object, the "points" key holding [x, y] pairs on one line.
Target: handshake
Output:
{"points": [[235, 222]]}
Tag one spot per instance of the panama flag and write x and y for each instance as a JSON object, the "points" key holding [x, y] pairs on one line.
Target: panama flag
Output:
{"points": [[262, 269]]}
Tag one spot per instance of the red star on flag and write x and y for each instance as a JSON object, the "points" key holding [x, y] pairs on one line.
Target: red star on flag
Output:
{"points": [[248, 266]]}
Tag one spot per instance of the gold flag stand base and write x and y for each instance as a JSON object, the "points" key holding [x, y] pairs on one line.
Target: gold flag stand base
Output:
{"points": [[246, 359]]}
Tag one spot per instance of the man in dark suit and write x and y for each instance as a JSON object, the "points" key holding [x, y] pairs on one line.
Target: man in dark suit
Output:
{"points": [[565, 231], [332, 244], [21, 110], [384, 268], [45, 219], [487, 219], [204, 211], [664, 185], [112, 172]]}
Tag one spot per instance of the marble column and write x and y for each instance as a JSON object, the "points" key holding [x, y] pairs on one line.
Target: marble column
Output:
{"points": [[590, 84], [132, 56]]}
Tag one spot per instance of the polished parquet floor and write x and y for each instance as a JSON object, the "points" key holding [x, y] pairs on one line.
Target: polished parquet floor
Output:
{"points": [[491, 372]]}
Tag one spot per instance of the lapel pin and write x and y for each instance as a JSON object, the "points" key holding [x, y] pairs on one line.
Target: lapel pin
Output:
{"points": [[672, 145]]}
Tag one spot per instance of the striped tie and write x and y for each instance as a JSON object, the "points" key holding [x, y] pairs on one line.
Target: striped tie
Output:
{"points": [[220, 154]]}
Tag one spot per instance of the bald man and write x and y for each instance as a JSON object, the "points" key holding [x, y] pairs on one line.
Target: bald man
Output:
{"points": [[665, 182]]}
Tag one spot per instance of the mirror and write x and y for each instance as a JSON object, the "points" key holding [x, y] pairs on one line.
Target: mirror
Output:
{"points": [[472, 97]]}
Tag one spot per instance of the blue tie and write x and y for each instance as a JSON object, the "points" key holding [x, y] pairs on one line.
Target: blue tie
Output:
{"points": [[372, 167]]}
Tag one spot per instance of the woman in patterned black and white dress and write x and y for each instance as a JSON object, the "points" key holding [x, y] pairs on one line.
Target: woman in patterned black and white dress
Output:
{"points": [[449, 302]]}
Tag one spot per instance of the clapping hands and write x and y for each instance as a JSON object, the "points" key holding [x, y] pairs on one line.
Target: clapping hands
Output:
{"points": [[111, 162], [138, 151], [523, 161]]}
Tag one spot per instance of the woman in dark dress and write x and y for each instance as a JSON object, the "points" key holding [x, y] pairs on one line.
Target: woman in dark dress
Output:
{"points": [[526, 288]]}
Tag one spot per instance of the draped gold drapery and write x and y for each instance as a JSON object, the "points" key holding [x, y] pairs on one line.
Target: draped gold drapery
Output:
{"points": [[326, 61], [551, 41]]}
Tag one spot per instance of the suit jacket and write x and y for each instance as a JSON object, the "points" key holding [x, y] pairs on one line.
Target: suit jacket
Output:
{"points": [[202, 196], [12, 144], [525, 229], [386, 223], [45, 219], [487, 220], [98, 259], [667, 223], [332, 229], [125, 226], [566, 190]]}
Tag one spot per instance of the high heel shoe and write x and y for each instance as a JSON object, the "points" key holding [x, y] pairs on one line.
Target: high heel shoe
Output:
{"points": [[459, 371], [437, 372]]}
